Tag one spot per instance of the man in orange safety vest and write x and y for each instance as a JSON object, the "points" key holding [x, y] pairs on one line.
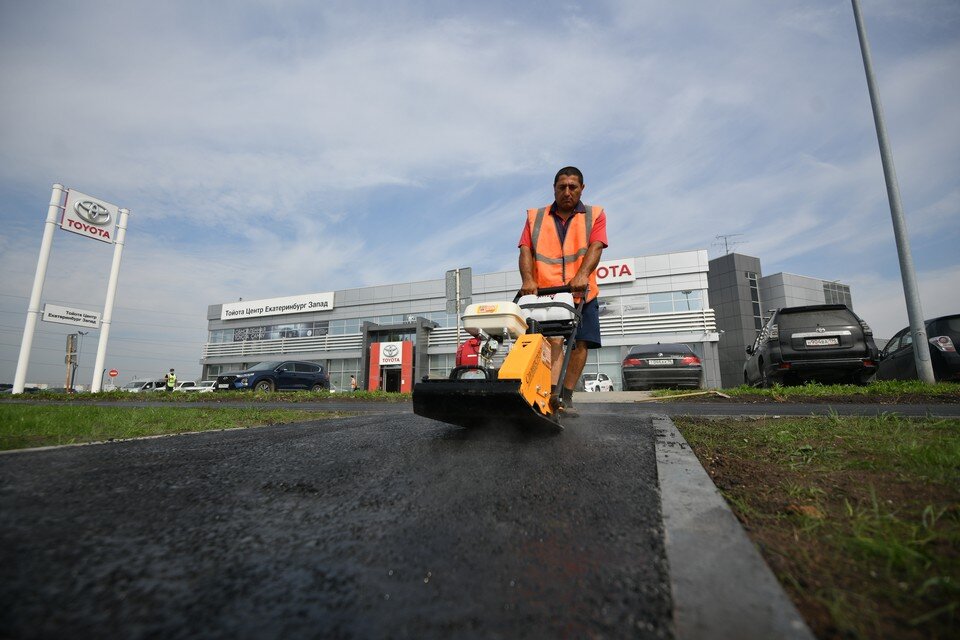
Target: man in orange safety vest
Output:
{"points": [[561, 244]]}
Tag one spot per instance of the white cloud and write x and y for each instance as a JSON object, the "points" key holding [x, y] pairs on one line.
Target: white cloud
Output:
{"points": [[881, 301]]}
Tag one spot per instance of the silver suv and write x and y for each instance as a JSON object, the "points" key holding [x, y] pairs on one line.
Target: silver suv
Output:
{"points": [[826, 343]]}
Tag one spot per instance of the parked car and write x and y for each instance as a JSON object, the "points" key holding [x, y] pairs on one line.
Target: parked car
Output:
{"points": [[660, 365], [141, 386], [825, 343], [596, 382], [276, 376], [943, 335], [186, 385], [206, 386]]}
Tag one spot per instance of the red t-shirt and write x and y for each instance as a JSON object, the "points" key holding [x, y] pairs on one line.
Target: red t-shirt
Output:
{"points": [[597, 234]]}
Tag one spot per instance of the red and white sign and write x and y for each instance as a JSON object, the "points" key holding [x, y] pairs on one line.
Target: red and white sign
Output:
{"points": [[113, 373], [90, 217], [612, 271], [391, 353]]}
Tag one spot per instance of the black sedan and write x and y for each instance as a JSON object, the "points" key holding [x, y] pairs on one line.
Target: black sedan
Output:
{"points": [[943, 336], [660, 365]]}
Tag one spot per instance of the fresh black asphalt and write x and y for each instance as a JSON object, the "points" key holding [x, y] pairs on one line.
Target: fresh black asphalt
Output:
{"points": [[380, 525], [389, 525], [720, 409]]}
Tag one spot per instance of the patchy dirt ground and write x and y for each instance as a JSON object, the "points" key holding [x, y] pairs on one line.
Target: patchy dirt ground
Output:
{"points": [[863, 553], [905, 398]]}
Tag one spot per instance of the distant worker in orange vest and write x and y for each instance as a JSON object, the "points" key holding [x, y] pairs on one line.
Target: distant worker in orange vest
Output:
{"points": [[561, 245]]}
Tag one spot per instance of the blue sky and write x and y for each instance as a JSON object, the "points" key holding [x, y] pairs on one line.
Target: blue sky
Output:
{"points": [[275, 148]]}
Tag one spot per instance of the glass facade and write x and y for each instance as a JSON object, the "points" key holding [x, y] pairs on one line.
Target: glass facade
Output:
{"points": [[646, 304], [753, 280], [342, 327], [340, 372], [835, 293]]}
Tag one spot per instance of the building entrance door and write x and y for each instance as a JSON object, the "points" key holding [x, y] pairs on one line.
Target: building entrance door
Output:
{"points": [[391, 379]]}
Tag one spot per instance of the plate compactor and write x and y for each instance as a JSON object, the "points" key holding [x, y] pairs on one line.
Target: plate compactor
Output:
{"points": [[511, 382]]}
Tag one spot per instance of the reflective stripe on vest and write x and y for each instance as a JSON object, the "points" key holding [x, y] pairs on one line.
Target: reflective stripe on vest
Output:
{"points": [[553, 267]]}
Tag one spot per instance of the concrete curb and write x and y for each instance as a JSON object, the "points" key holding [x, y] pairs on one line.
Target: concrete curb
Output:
{"points": [[722, 588]]}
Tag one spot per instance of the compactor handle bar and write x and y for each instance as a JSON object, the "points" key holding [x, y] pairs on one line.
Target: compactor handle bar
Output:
{"points": [[549, 291]]}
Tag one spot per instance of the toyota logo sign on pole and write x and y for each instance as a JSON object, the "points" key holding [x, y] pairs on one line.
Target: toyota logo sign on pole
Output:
{"points": [[89, 217]]}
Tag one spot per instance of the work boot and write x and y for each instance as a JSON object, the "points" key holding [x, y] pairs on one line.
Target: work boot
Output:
{"points": [[554, 403], [566, 404]]}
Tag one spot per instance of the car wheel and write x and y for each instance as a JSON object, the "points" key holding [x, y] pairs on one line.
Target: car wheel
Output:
{"points": [[764, 378], [318, 387], [264, 386]]}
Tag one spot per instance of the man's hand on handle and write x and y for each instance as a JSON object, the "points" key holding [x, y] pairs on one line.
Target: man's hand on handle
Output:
{"points": [[528, 288], [579, 283]]}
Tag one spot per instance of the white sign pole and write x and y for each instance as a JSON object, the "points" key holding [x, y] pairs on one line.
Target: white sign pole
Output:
{"points": [[108, 304], [33, 310]]}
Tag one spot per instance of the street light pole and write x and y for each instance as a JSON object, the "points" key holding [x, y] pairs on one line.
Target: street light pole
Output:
{"points": [[921, 350]]}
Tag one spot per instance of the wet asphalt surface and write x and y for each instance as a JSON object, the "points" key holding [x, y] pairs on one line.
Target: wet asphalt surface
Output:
{"points": [[375, 526]]}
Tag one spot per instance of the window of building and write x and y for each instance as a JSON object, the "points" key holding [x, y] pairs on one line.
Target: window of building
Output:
{"points": [[605, 360], [340, 372], [271, 332], [835, 293], [661, 303], [221, 335], [345, 326], [753, 280], [441, 364], [688, 300], [214, 370]]}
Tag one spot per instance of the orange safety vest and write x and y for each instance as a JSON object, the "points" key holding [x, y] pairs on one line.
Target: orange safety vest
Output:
{"points": [[554, 265]]}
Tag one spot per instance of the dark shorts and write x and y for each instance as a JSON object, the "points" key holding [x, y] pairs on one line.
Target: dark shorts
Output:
{"points": [[589, 329]]}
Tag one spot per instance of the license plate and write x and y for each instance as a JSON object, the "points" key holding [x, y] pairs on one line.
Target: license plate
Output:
{"points": [[822, 342], [656, 362], [223, 386]]}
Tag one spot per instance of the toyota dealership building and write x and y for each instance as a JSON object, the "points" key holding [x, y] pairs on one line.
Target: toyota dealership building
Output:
{"points": [[392, 335]]}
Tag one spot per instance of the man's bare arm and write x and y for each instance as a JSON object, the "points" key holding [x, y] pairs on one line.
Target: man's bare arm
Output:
{"points": [[529, 284]]}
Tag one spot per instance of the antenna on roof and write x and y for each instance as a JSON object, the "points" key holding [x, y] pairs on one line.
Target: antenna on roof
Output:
{"points": [[726, 242]]}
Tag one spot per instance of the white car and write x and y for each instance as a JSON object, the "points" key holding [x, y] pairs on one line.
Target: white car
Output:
{"points": [[206, 386], [598, 382], [186, 385], [142, 386]]}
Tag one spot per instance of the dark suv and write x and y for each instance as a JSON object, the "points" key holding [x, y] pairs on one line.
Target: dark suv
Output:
{"points": [[277, 376], [826, 343]]}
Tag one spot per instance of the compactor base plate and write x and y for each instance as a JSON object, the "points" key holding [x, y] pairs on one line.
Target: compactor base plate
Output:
{"points": [[478, 403]]}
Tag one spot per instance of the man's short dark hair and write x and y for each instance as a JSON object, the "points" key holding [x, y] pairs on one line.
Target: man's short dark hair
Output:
{"points": [[568, 171]]}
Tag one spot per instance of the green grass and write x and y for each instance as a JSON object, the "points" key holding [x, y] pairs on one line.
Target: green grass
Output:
{"points": [[219, 396], [887, 390], [860, 517], [23, 425]]}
